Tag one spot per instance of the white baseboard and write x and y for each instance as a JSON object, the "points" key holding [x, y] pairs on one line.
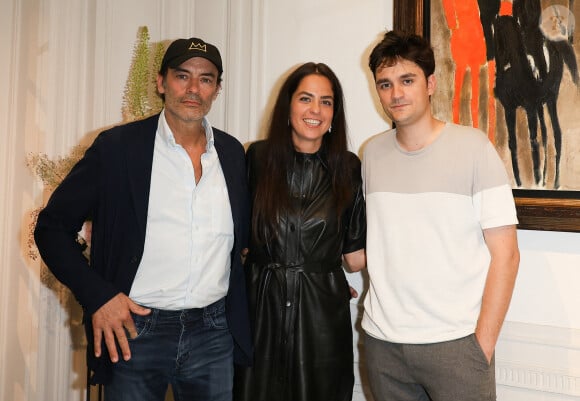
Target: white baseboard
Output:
{"points": [[539, 358]]}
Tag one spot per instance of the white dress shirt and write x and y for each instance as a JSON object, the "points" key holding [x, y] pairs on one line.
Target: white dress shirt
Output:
{"points": [[190, 230]]}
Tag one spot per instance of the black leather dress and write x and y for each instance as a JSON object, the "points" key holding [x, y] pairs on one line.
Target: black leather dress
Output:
{"points": [[298, 293]]}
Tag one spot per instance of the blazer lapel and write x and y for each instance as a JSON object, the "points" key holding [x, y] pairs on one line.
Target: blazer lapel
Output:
{"points": [[230, 176], [139, 150]]}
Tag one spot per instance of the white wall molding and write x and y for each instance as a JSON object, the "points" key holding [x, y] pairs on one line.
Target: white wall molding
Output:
{"points": [[537, 379], [541, 335], [243, 54], [10, 48], [539, 358]]}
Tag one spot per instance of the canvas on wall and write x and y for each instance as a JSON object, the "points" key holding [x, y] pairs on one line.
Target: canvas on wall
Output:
{"points": [[510, 68]]}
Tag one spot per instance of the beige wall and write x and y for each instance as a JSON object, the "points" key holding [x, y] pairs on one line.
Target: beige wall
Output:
{"points": [[63, 72]]}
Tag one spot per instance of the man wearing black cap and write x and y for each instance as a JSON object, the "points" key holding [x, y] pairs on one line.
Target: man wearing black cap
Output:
{"points": [[164, 296]]}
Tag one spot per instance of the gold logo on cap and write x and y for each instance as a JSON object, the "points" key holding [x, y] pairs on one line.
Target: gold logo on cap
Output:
{"points": [[198, 46]]}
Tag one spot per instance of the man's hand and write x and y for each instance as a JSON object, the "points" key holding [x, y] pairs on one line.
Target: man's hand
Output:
{"points": [[111, 320], [244, 254]]}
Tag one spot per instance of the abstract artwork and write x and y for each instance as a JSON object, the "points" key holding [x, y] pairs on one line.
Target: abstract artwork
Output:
{"points": [[510, 68]]}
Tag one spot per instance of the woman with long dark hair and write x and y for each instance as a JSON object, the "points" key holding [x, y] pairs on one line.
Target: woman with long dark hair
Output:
{"points": [[308, 220]]}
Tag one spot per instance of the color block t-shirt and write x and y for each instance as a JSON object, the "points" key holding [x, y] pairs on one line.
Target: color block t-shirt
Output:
{"points": [[426, 255]]}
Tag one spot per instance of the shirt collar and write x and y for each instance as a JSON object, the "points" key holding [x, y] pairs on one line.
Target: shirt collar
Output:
{"points": [[167, 135]]}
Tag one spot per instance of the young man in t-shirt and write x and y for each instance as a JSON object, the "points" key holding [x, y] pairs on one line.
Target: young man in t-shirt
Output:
{"points": [[442, 249]]}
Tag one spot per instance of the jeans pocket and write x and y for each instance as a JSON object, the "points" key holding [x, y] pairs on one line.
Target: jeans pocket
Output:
{"points": [[217, 320], [142, 325]]}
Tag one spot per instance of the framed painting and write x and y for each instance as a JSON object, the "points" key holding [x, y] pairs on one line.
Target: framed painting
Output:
{"points": [[535, 128]]}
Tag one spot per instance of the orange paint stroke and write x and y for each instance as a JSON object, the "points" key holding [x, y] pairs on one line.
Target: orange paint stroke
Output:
{"points": [[506, 8], [467, 50]]}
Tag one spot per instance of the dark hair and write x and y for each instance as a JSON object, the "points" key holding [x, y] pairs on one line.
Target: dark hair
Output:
{"points": [[279, 153], [397, 45]]}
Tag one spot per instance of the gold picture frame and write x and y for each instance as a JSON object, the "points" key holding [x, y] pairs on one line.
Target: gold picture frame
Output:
{"points": [[546, 210]]}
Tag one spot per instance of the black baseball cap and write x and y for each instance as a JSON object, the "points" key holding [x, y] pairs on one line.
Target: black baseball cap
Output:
{"points": [[182, 50]]}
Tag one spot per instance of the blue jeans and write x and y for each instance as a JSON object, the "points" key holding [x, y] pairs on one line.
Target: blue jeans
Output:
{"points": [[191, 349]]}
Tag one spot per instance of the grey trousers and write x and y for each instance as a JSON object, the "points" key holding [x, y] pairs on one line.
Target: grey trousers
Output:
{"points": [[454, 370]]}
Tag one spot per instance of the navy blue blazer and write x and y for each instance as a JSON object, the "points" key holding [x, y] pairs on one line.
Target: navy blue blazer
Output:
{"points": [[110, 185]]}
